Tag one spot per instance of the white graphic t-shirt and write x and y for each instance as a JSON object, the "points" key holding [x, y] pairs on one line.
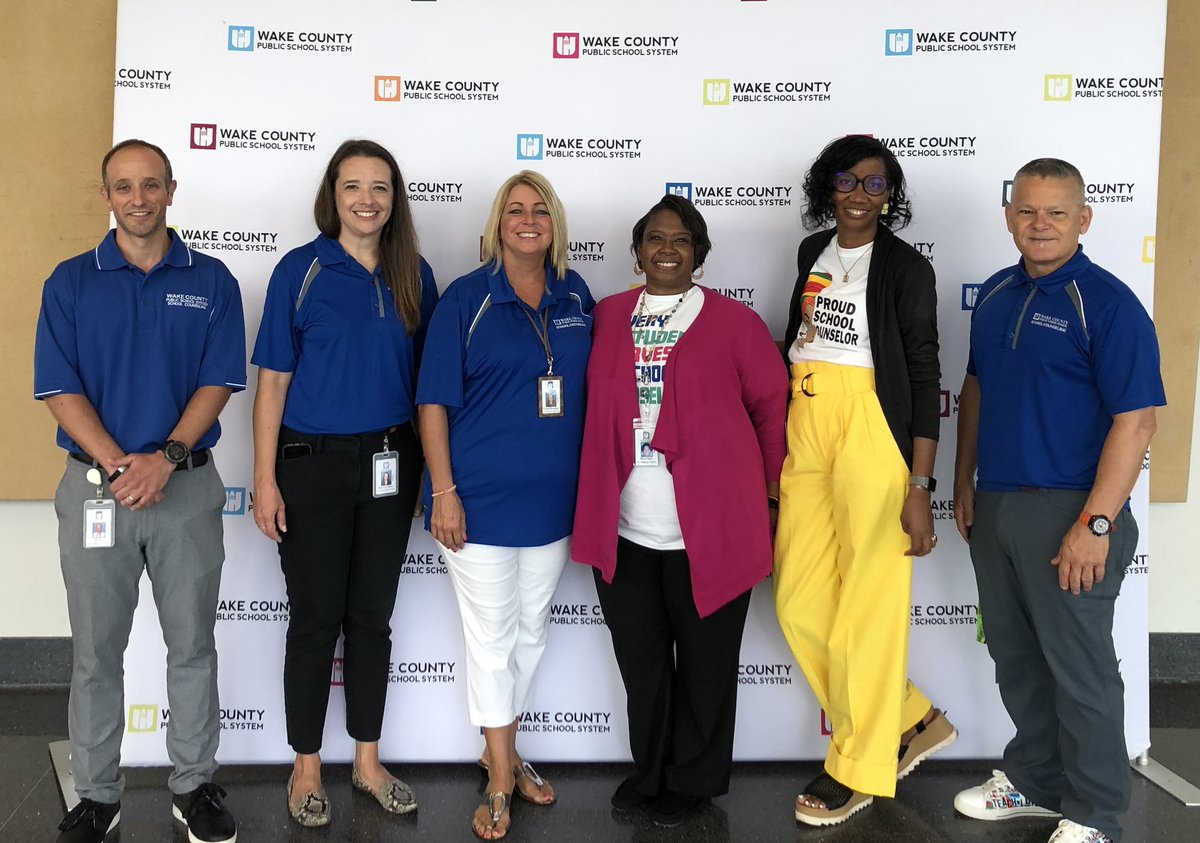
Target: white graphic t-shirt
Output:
{"points": [[648, 514], [839, 308]]}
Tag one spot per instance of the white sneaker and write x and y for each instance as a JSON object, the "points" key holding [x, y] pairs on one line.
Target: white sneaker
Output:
{"points": [[1072, 832], [997, 799]]}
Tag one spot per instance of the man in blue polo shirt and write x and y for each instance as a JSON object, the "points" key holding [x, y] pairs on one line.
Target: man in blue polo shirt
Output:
{"points": [[1056, 413], [140, 343]]}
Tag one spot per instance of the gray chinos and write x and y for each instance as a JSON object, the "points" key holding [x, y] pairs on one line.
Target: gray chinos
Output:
{"points": [[179, 543], [1056, 664]]}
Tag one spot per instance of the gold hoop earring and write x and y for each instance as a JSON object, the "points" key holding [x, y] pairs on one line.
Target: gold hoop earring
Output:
{"points": [[697, 273], [637, 267]]}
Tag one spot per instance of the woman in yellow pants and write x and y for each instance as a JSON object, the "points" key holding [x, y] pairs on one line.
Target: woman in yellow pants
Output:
{"points": [[854, 496]]}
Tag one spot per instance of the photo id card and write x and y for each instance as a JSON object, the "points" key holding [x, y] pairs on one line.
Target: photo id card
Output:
{"points": [[386, 464], [550, 396], [643, 453], [98, 523]]}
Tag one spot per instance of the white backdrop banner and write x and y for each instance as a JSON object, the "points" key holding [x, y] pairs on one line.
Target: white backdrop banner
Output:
{"points": [[722, 101]]}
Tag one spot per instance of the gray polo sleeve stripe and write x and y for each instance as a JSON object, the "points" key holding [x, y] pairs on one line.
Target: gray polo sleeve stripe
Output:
{"points": [[995, 290], [308, 279], [1076, 298], [487, 302]]}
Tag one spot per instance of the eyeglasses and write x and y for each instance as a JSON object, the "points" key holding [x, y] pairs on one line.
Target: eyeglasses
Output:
{"points": [[873, 185]]}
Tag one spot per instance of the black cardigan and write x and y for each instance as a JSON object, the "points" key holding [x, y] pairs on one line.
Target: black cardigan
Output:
{"points": [[902, 321]]}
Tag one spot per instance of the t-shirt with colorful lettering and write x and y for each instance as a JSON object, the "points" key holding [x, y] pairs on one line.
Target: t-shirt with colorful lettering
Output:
{"points": [[648, 514], [837, 309]]}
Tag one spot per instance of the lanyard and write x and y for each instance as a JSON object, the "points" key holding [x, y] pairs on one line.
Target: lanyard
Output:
{"points": [[543, 334]]}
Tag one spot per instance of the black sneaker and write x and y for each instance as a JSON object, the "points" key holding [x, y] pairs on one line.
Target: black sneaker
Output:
{"points": [[89, 822], [206, 817], [628, 798]]}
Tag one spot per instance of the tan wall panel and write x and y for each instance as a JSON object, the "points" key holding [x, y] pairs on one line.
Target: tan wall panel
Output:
{"points": [[1176, 291], [58, 69]]}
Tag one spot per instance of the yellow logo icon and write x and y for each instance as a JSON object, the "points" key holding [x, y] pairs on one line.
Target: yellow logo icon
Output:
{"points": [[716, 92], [1057, 87], [143, 718], [1148, 249]]}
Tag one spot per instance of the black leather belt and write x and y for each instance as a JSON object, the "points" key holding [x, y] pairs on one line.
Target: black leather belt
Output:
{"points": [[197, 459]]}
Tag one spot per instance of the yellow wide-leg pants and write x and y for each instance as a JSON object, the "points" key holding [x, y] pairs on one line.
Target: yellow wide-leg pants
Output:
{"points": [[842, 582]]}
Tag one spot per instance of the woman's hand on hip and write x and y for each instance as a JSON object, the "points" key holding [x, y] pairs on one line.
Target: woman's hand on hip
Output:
{"points": [[448, 521]]}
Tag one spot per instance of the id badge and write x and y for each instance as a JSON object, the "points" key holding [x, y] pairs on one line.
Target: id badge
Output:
{"points": [[386, 464], [550, 397], [98, 523], [643, 454]]}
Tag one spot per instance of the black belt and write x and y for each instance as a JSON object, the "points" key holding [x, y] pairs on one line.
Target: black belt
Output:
{"points": [[195, 460]]}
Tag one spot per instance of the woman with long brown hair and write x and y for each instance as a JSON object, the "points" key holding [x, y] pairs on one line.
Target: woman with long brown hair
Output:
{"points": [[334, 438]]}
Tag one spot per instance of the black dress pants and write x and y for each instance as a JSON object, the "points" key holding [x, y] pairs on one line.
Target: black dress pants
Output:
{"points": [[341, 557], [680, 671]]}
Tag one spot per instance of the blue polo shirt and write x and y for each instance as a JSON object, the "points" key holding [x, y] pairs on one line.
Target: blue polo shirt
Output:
{"points": [[516, 473], [1057, 357], [139, 344], [334, 326]]}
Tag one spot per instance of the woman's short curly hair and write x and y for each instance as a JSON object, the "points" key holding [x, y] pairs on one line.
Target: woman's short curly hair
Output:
{"points": [[692, 220], [839, 156]]}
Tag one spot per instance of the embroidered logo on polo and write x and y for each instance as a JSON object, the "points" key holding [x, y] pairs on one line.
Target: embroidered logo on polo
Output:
{"points": [[1054, 323], [187, 300]]}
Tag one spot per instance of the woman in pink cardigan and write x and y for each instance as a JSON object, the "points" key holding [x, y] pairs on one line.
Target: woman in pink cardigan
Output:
{"points": [[682, 448]]}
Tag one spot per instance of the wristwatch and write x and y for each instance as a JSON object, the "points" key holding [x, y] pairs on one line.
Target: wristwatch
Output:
{"points": [[929, 484], [1100, 525], [176, 452]]}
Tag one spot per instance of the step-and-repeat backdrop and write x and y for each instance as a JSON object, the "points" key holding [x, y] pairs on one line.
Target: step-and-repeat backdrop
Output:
{"points": [[722, 101]]}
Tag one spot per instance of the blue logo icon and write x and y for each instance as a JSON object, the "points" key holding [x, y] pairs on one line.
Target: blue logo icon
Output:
{"points": [[680, 188], [241, 38], [529, 147], [898, 42], [1006, 193], [235, 501], [970, 292]]}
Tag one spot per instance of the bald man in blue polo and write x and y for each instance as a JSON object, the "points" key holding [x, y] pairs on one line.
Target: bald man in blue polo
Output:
{"points": [[1056, 412]]}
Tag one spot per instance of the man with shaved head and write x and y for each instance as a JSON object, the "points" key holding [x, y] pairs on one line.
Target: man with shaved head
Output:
{"points": [[1056, 412]]}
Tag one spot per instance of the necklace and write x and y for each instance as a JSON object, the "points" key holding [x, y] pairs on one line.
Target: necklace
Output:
{"points": [[641, 311], [837, 250]]}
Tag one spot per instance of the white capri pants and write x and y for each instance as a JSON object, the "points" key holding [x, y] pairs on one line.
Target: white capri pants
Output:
{"points": [[504, 598]]}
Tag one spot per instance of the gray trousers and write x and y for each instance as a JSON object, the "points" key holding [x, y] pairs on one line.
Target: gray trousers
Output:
{"points": [[1055, 660], [179, 543]]}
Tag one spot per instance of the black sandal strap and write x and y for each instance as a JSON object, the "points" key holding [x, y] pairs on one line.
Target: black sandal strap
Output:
{"points": [[829, 790]]}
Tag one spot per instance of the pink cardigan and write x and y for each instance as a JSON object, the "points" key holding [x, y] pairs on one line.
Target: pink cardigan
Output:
{"points": [[721, 428]]}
